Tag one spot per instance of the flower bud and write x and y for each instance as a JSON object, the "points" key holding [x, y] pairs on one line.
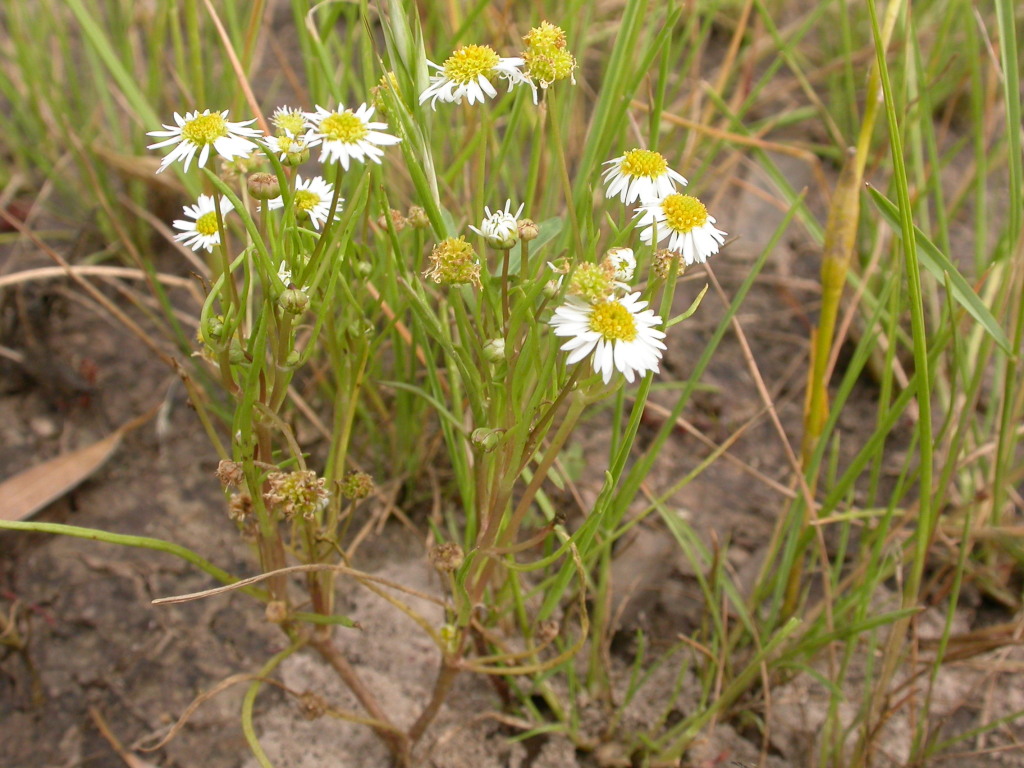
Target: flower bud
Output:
{"points": [[264, 186], [295, 159], [214, 329], [294, 301], [397, 219], [417, 217], [236, 354], [528, 229], [487, 439], [494, 350]]}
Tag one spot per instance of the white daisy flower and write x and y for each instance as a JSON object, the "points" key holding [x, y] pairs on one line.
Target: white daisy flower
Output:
{"points": [[290, 144], [468, 73], [349, 135], [312, 197], [198, 132], [501, 228], [201, 231], [618, 331], [686, 223], [640, 174], [294, 133], [290, 120]]}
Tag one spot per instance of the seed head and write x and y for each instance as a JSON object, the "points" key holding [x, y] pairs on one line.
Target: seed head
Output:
{"points": [[296, 493], [454, 262], [357, 485], [592, 282], [230, 473], [446, 557], [662, 263], [546, 56]]}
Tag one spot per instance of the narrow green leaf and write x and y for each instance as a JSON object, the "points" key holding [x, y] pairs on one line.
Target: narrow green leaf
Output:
{"points": [[936, 262]]}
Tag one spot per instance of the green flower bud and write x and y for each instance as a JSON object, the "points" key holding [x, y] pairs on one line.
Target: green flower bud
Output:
{"points": [[294, 301], [494, 350], [487, 439], [264, 186]]}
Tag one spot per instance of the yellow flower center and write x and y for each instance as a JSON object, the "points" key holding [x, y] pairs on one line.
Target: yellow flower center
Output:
{"points": [[643, 162], [468, 62], [206, 224], [547, 34], [684, 212], [306, 201], [613, 321], [204, 129], [292, 122], [344, 127]]}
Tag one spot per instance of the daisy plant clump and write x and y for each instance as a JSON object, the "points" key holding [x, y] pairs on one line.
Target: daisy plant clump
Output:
{"points": [[281, 258], [523, 357]]}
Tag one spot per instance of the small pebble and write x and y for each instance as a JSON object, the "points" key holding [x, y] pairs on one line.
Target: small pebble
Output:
{"points": [[42, 426]]}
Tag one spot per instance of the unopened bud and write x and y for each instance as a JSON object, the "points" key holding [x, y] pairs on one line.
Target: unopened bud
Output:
{"points": [[213, 330], [294, 159], [417, 217], [528, 229], [293, 300], [397, 219], [236, 354], [487, 439], [264, 186], [494, 350]]}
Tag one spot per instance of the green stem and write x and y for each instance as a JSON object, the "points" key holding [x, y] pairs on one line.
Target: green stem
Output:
{"points": [[249, 701], [141, 542]]}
